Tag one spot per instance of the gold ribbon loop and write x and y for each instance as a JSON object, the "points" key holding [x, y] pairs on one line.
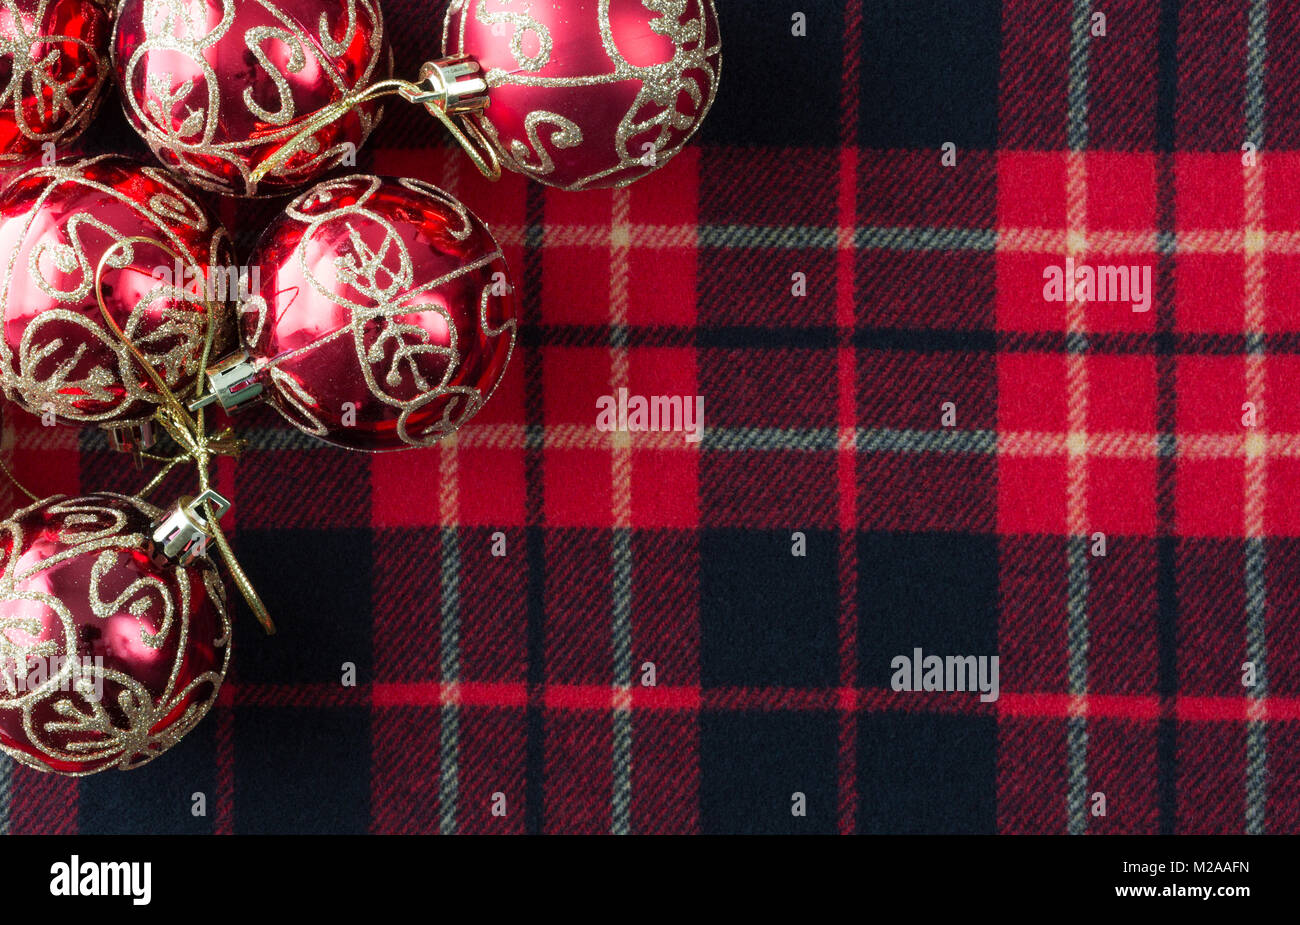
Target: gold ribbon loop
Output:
{"points": [[189, 431], [17, 484], [468, 135], [472, 141]]}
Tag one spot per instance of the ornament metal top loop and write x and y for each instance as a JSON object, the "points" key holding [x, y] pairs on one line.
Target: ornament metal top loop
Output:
{"points": [[235, 381], [181, 535], [451, 89], [455, 85], [133, 439]]}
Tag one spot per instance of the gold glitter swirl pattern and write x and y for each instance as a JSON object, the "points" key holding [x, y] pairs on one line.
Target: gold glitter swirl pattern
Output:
{"points": [[198, 143], [60, 718], [94, 378], [39, 69], [378, 284], [656, 116]]}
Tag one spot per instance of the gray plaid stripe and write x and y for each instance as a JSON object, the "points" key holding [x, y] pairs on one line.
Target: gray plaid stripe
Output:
{"points": [[1077, 644], [885, 440], [1164, 445], [805, 237], [1256, 651], [926, 239], [1076, 133], [6, 791], [823, 439], [1256, 588], [622, 638], [449, 738], [1077, 608]]}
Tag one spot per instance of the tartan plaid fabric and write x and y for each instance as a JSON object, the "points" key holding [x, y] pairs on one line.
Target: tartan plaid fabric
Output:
{"points": [[515, 681]]}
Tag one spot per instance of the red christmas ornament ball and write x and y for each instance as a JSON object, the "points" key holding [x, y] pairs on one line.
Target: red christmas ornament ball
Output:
{"points": [[57, 356], [107, 658], [385, 316], [216, 87], [589, 93], [53, 63]]}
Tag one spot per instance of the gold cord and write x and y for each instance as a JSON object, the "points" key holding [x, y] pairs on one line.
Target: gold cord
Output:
{"points": [[17, 484], [467, 134], [189, 431]]}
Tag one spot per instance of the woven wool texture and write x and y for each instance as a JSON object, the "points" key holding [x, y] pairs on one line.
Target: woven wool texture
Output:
{"points": [[521, 675]]}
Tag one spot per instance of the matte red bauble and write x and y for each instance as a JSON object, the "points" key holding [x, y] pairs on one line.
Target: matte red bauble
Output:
{"points": [[107, 657], [589, 93], [215, 87], [384, 319], [58, 359], [53, 66]]}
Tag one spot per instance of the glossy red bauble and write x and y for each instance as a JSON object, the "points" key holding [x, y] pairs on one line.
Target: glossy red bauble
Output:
{"points": [[107, 658], [58, 359], [54, 63], [386, 315], [216, 87], [589, 93]]}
